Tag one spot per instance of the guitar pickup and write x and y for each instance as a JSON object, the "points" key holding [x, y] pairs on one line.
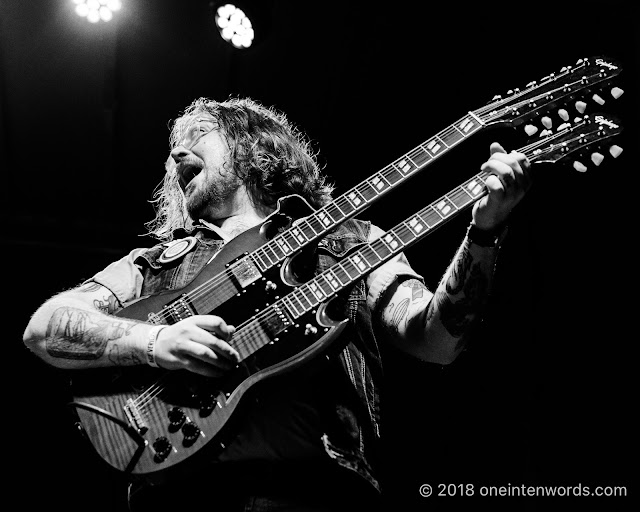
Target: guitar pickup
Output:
{"points": [[179, 309], [245, 272]]}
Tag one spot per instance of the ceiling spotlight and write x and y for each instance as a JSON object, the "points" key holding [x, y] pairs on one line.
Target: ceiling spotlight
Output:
{"points": [[97, 10], [234, 25]]}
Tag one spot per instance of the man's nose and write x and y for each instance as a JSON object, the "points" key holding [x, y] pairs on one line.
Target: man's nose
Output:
{"points": [[179, 153]]}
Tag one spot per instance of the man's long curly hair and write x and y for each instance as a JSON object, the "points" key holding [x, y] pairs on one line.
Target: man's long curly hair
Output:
{"points": [[270, 155]]}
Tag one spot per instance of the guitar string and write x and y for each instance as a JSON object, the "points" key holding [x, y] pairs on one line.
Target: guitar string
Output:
{"points": [[446, 133], [255, 321], [145, 398], [222, 281], [253, 327]]}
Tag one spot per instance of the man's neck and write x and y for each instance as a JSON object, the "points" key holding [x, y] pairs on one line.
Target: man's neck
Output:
{"points": [[231, 227], [239, 217]]}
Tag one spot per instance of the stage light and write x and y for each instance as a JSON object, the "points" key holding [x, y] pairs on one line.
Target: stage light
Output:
{"points": [[235, 26], [96, 10]]}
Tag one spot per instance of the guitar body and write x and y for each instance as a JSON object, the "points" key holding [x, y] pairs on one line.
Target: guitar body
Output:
{"points": [[147, 422], [231, 285]]}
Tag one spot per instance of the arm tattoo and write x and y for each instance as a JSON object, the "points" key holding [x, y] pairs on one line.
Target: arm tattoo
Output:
{"points": [[107, 305], [459, 272], [91, 286], [417, 288], [473, 283], [77, 334], [399, 313]]}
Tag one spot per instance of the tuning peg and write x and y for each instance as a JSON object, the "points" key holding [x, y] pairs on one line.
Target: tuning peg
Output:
{"points": [[531, 84], [615, 151], [598, 99], [581, 106], [597, 158], [530, 129], [564, 115], [544, 133], [546, 122], [616, 92], [579, 166], [580, 61], [577, 119], [563, 126]]}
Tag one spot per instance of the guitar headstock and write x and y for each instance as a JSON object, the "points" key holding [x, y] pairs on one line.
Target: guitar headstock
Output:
{"points": [[569, 92], [586, 141]]}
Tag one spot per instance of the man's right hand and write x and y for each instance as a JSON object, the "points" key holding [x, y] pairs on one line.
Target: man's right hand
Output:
{"points": [[198, 344]]}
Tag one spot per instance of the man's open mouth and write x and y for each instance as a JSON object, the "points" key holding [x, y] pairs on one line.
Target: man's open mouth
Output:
{"points": [[186, 173]]}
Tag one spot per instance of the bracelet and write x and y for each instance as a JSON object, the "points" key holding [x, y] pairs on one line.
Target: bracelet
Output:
{"points": [[486, 238], [151, 345]]}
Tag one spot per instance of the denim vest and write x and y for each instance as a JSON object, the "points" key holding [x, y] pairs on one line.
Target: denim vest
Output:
{"points": [[353, 436]]}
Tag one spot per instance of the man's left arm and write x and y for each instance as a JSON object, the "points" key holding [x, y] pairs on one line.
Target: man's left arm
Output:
{"points": [[433, 326]]}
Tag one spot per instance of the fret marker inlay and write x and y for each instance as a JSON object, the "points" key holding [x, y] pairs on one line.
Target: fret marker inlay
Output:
{"points": [[443, 207], [354, 199], [391, 241], [466, 125], [378, 183], [474, 187], [416, 224]]}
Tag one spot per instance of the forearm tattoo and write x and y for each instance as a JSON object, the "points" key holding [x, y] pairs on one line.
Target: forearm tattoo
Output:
{"points": [[82, 335], [469, 280]]}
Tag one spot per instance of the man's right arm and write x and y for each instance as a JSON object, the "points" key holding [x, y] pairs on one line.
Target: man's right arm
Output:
{"points": [[77, 329]]}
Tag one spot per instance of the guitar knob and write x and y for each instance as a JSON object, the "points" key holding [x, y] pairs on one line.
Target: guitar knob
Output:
{"points": [[162, 447], [177, 418], [615, 151], [597, 158], [207, 404], [310, 329], [616, 92], [578, 166], [270, 286], [191, 433]]}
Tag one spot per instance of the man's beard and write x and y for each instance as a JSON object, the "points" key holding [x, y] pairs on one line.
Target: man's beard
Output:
{"points": [[210, 196]]}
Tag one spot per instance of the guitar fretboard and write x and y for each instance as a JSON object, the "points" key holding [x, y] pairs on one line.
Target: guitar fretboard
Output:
{"points": [[362, 195], [339, 276]]}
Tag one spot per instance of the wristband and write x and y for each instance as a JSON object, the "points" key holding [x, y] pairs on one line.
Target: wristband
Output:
{"points": [[151, 345], [486, 238]]}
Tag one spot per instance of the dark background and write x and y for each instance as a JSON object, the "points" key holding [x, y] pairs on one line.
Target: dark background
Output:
{"points": [[543, 396]]}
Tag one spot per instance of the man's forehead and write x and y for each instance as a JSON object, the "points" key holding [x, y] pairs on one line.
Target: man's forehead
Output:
{"points": [[201, 117]]}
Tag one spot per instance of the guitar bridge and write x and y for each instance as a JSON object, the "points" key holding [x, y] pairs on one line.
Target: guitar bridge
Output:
{"points": [[134, 417]]}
